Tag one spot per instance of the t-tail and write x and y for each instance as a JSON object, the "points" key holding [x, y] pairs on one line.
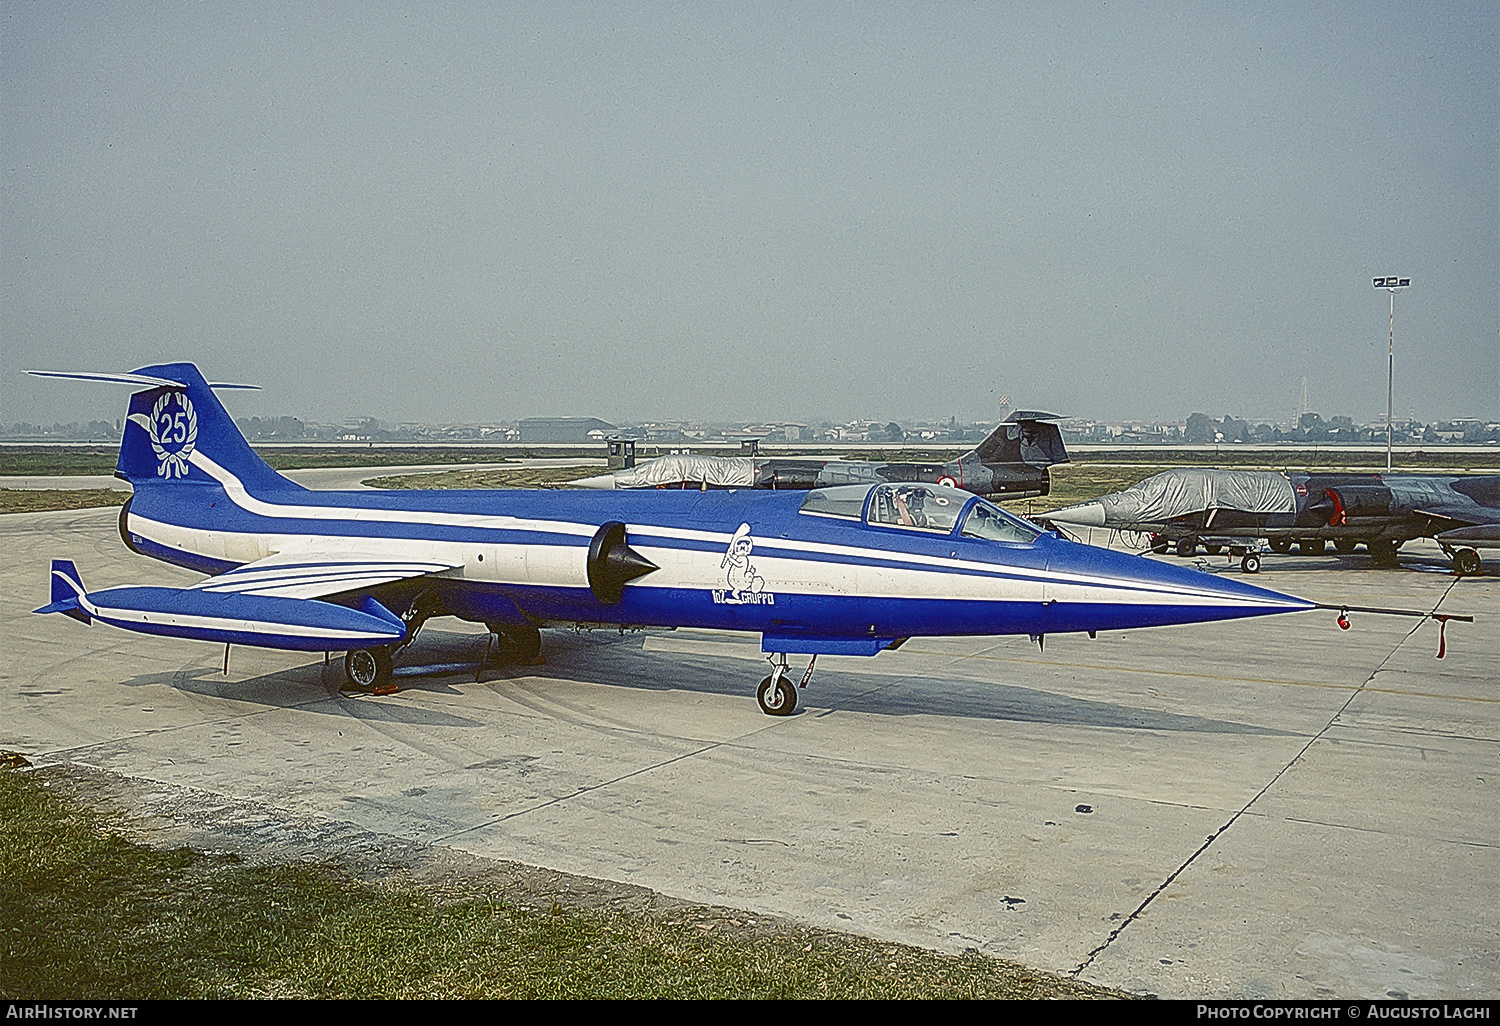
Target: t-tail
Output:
{"points": [[176, 429], [1024, 437], [1013, 460]]}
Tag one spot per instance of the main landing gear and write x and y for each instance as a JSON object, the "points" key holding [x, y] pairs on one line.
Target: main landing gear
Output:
{"points": [[777, 695], [517, 644], [369, 669], [372, 669], [1465, 562]]}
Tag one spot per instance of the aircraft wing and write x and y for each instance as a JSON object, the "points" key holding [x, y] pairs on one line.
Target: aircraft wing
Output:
{"points": [[1467, 515], [311, 574], [1470, 501]]}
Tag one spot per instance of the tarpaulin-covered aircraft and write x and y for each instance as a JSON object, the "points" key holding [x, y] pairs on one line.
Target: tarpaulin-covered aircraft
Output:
{"points": [[1196, 506], [847, 570], [1012, 462]]}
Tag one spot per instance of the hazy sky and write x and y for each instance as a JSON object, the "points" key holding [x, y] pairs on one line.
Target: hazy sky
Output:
{"points": [[477, 212]]}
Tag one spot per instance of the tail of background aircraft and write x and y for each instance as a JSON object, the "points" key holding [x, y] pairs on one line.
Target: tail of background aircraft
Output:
{"points": [[1024, 437]]}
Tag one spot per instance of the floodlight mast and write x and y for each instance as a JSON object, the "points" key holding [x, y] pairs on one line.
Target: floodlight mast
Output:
{"points": [[1391, 284]]}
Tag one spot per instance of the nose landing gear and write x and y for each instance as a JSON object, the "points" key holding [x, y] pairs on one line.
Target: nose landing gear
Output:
{"points": [[777, 695]]}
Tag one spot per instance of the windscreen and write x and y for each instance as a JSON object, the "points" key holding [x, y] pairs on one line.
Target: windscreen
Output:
{"points": [[842, 501]]}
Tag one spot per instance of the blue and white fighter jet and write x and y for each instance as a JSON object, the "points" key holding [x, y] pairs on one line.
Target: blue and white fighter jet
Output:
{"points": [[841, 570]]}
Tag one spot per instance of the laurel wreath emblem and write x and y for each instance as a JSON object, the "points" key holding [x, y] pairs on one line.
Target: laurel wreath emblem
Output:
{"points": [[179, 429]]}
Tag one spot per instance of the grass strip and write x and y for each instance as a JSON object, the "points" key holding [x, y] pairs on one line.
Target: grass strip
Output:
{"points": [[503, 477], [66, 459], [93, 459], [85, 912], [23, 500]]}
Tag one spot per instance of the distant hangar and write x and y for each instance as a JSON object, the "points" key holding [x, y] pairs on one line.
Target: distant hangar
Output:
{"points": [[564, 429]]}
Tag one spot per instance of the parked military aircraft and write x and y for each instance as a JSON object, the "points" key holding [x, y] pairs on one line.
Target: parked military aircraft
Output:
{"points": [[1193, 506], [848, 570], [1012, 462]]}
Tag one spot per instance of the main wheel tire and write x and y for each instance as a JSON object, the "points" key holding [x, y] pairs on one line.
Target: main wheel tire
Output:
{"points": [[1281, 545], [1345, 545], [1159, 545], [778, 702], [1212, 549], [518, 644], [1312, 546], [367, 669], [1383, 552], [1187, 546], [1465, 562], [527, 642]]}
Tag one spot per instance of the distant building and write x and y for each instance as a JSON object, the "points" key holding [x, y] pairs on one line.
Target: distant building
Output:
{"points": [[564, 429]]}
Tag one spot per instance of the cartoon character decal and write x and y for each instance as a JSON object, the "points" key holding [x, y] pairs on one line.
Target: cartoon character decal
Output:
{"points": [[745, 586]]}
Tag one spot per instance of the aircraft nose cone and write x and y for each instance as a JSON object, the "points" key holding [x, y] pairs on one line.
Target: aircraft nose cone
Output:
{"points": [[601, 481], [1094, 588], [1087, 514]]}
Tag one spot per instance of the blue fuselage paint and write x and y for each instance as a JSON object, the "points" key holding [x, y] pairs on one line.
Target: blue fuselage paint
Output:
{"points": [[838, 570], [968, 586]]}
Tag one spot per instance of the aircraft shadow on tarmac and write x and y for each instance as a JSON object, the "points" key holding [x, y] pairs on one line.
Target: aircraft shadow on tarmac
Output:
{"points": [[606, 658], [447, 662], [315, 688]]}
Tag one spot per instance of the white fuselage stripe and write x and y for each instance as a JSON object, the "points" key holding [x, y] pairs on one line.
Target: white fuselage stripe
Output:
{"points": [[693, 569], [237, 492]]}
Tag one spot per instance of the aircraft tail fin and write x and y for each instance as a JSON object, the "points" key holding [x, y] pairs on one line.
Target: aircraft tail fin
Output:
{"points": [[1024, 437], [176, 428], [67, 589]]}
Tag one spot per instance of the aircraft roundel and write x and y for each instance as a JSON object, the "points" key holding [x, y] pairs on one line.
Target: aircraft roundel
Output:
{"points": [[948, 481]]}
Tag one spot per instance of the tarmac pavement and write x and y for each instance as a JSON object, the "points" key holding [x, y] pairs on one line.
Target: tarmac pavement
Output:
{"points": [[318, 478], [1268, 808]]}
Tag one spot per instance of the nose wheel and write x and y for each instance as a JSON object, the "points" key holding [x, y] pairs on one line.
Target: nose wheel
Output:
{"points": [[777, 695]]}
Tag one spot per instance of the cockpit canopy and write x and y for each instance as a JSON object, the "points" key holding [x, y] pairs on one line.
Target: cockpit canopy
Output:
{"points": [[929, 508]]}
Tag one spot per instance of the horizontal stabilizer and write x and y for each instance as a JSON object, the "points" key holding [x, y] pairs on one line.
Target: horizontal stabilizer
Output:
{"points": [[177, 430], [134, 380]]}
